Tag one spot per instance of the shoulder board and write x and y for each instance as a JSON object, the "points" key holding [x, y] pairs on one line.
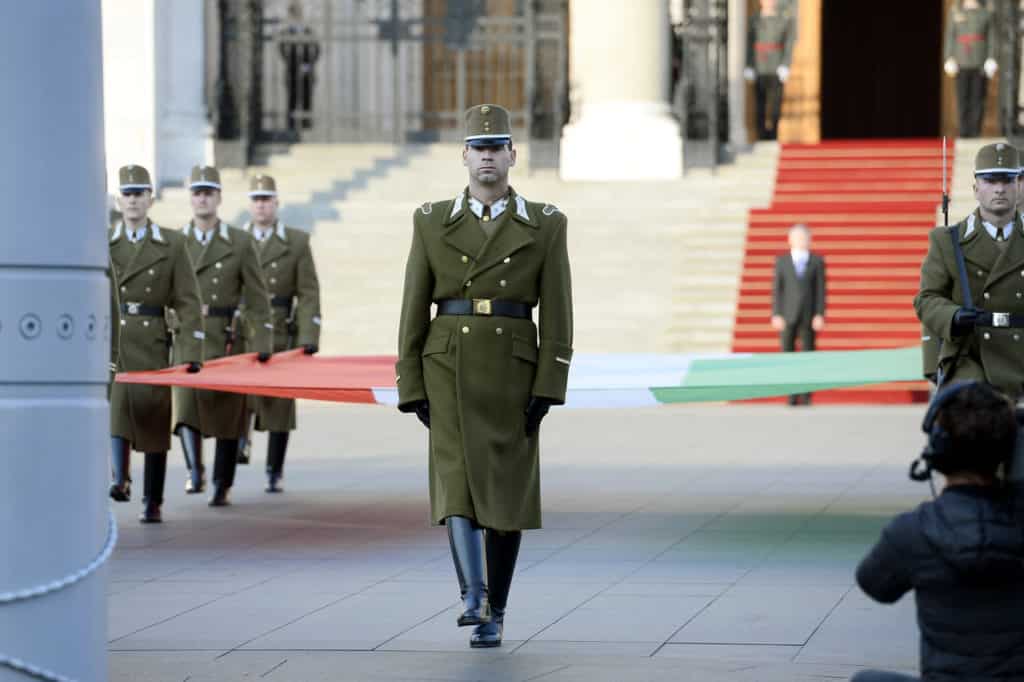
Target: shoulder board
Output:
{"points": [[549, 209], [426, 208]]}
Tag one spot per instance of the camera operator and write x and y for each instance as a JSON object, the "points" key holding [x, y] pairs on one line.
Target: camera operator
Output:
{"points": [[963, 552]]}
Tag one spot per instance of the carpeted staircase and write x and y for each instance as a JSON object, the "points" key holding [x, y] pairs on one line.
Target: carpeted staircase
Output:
{"points": [[870, 205]]}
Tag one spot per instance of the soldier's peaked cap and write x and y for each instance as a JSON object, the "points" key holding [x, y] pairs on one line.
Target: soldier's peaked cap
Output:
{"points": [[997, 159], [262, 186], [488, 125], [133, 178], [204, 177]]}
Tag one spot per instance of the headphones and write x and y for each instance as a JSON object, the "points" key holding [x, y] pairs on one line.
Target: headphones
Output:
{"points": [[939, 453]]}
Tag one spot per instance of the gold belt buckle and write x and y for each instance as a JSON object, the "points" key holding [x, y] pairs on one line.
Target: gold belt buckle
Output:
{"points": [[133, 307], [481, 306]]}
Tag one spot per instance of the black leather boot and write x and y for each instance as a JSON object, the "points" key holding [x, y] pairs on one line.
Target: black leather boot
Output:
{"points": [[224, 462], [245, 442], [153, 487], [466, 542], [502, 552], [121, 469], [277, 445], [192, 446]]}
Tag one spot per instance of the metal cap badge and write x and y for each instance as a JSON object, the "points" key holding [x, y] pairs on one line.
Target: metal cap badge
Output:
{"points": [[488, 125]]}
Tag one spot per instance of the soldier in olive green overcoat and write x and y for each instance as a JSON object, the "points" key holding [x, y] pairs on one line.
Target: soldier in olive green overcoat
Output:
{"points": [[970, 54], [771, 36], [150, 272], [228, 269], [985, 342], [475, 373], [295, 305]]}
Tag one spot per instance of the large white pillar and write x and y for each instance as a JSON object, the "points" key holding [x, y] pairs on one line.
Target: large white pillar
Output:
{"points": [[737, 84], [153, 56], [621, 127], [54, 342]]}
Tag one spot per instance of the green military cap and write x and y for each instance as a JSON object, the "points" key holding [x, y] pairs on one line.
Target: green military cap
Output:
{"points": [[262, 186], [134, 179], [204, 177], [488, 125], [996, 161]]}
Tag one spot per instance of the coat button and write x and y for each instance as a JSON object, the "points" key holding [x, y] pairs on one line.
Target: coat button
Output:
{"points": [[1019, 295], [465, 259], [145, 323], [1016, 337], [214, 297], [502, 283], [149, 290], [124, 289], [218, 265], [274, 265], [215, 280], [980, 273], [509, 260], [465, 330], [273, 280], [988, 295], [469, 283], [152, 271], [987, 336], [499, 331], [124, 323]]}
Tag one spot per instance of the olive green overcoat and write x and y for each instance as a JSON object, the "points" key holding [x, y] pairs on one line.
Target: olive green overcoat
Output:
{"points": [[970, 37], [290, 273], [228, 270], [479, 372], [157, 272], [993, 354]]}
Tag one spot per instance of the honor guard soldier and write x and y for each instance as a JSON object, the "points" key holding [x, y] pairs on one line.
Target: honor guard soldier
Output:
{"points": [[227, 266], [295, 308], [986, 342], [150, 272], [475, 374], [970, 50], [769, 53]]}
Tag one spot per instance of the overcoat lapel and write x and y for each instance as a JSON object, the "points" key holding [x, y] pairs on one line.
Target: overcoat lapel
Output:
{"points": [[148, 254], [976, 245], [513, 233], [461, 231], [218, 248], [1012, 259]]}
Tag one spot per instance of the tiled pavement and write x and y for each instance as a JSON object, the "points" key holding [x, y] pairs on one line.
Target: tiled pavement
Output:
{"points": [[680, 543]]}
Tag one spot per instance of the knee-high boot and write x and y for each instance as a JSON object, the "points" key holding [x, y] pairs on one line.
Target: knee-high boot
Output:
{"points": [[502, 552], [153, 487], [466, 542], [277, 446], [192, 446], [224, 462], [120, 469]]}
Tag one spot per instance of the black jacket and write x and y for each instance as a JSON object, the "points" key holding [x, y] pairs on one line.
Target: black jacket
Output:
{"points": [[798, 299], [963, 555]]}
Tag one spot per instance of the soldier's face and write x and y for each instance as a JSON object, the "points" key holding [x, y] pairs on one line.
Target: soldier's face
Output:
{"points": [[263, 209], [997, 194], [205, 202], [768, 6], [489, 165], [135, 204]]}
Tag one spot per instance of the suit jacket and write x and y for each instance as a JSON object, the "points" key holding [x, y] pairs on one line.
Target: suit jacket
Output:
{"points": [[798, 299]]}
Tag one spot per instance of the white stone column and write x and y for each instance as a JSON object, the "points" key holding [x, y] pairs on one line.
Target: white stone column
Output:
{"points": [[153, 56], [737, 84], [54, 343], [621, 127]]}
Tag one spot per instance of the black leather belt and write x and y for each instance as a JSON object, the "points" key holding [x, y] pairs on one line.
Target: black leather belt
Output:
{"points": [[483, 306], [281, 301], [1006, 320], [218, 311], [142, 310]]}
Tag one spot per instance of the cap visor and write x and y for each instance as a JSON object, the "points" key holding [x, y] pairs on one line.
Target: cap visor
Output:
{"points": [[262, 193], [204, 185], [997, 176], [135, 188], [492, 141]]}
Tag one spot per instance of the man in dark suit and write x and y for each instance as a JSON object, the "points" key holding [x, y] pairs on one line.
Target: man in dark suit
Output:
{"points": [[798, 297]]}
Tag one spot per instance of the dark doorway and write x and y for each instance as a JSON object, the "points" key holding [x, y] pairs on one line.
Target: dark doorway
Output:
{"points": [[881, 68]]}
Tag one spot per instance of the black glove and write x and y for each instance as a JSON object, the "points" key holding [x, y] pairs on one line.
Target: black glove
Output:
{"points": [[964, 321], [422, 410], [194, 367], [263, 357], [535, 411], [311, 349]]}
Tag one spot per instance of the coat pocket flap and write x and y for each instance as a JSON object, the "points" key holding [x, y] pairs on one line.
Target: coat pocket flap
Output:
{"points": [[437, 343], [524, 350]]}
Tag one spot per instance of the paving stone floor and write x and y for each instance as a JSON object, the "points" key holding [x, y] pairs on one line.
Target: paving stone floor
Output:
{"points": [[680, 543]]}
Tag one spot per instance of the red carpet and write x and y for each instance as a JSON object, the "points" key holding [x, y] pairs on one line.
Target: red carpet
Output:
{"points": [[870, 205]]}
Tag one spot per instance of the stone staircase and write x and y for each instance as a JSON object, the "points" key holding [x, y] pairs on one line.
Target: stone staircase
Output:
{"points": [[655, 265]]}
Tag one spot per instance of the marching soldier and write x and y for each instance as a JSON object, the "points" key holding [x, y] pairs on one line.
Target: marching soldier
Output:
{"points": [[150, 272], [228, 269], [295, 308], [970, 50], [475, 374], [987, 342], [770, 41]]}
